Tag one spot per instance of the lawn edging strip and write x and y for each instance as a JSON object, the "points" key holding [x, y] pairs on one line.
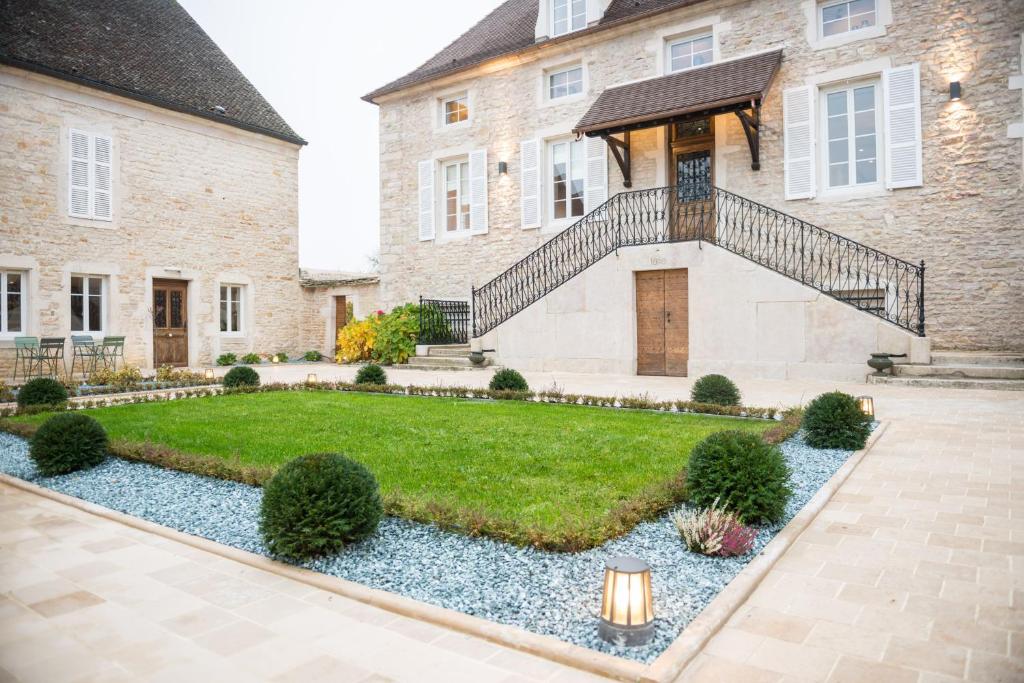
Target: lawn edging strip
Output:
{"points": [[710, 621]]}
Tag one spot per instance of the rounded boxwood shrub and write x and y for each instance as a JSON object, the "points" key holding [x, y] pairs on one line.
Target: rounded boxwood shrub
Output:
{"points": [[742, 472], [42, 391], [68, 442], [716, 389], [508, 379], [317, 504], [371, 373], [241, 376], [834, 420]]}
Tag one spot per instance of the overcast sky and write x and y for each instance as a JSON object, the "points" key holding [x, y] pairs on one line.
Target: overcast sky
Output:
{"points": [[313, 60]]}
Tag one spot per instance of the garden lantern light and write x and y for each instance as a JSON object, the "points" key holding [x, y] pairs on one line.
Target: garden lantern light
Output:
{"points": [[627, 611], [275, 359], [867, 405], [311, 378], [209, 374]]}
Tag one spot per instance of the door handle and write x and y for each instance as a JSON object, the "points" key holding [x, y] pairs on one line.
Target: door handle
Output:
{"points": [[668, 316]]}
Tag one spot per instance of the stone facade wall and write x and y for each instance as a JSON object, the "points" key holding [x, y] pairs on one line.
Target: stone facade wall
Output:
{"points": [[193, 200], [966, 220]]}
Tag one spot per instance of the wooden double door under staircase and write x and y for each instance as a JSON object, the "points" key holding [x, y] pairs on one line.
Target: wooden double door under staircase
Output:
{"points": [[662, 322]]}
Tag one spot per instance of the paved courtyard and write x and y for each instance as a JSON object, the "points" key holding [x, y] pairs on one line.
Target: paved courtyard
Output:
{"points": [[913, 572]]}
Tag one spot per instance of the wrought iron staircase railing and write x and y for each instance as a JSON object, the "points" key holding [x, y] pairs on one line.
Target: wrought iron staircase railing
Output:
{"points": [[872, 281]]}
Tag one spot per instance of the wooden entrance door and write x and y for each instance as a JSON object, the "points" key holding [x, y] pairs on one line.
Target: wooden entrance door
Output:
{"points": [[662, 322], [170, 323], [340, 316], [692, 154]]}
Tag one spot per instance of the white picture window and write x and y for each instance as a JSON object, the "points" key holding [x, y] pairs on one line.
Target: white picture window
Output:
{"points": [[568, 16], [231, 308], [90, 176], [568, 178], [456, 196], [687, 53], [13, 301], [843, 17], [565, 82], [455, 110], [88, 303], [851, 128]]}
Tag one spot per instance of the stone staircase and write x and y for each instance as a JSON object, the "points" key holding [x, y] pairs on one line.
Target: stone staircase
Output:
{"points": [[960, 370], [444, 357]]}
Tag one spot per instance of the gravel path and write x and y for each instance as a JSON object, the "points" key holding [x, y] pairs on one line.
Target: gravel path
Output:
{"points": [[554, 594]]}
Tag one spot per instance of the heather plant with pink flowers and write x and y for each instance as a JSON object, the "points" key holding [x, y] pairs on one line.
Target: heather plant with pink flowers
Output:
{"points": [[714, 531]]}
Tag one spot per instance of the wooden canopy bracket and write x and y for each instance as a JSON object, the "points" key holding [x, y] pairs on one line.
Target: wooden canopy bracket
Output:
{"points": [[752, 129], [620, 150]]}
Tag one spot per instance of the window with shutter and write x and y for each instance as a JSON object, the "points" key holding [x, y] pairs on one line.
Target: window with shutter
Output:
{"points": [[90, 176], [79, 202], [478, 192], [426, 200], [901, 88], [798, 124], [529, 183], [102, 153], [597, 173]]}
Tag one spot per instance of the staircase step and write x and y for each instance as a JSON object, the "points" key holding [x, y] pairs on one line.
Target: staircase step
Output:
{"points": [[965, 371], [448, 350], [442, 362], [987, 358], [950, 382]]}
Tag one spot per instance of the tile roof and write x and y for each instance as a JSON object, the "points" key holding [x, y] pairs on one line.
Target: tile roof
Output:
{"points": [[148, 50], [731, 82], [511, 28]]}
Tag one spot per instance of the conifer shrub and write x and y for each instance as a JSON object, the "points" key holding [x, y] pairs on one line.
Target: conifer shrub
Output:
{"points": [[834, 420], [371, 373], [718, 390], [68, 442], [241, 376], [508, 379], [42, 391]]}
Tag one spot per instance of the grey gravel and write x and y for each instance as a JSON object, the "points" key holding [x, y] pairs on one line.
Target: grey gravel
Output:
{"points": [[555, 594]]}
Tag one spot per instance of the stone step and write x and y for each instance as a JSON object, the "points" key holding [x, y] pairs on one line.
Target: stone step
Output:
{"points": [[986, 358], [965, 371], [441, 362], [449, 350], [949, 382]]}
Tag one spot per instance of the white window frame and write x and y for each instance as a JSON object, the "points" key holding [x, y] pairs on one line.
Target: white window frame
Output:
{"points": [[571, 17], [824, 180], [238, 303], [463, 222], [549, 86], [4, 332], [689, 38], [828, 5], [85, 303], [550, 179], [445, 101]]}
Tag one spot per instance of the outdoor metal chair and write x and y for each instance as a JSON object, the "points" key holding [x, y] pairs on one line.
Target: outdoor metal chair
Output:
{"points": [[51, 356], [26, 356], [84, 354], [111, 349]]}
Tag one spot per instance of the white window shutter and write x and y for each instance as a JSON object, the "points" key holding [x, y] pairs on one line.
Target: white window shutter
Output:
{"points": [[79, 184], [596, 192], [426, 200], [478, 192], [901, 88], [530, 183], [102, 188], [798, 122]]}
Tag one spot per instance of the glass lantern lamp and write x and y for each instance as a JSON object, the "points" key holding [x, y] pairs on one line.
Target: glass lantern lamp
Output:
{"points": [[208, 374], [311, 378], [627, 610], [866, 405]]}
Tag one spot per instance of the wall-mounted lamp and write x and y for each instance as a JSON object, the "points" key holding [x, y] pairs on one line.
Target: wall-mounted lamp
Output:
{"points": [[502, 168], [954, 91], [627, 611]]}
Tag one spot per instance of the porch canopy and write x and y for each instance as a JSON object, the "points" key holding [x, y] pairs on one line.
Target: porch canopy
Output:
{"points": [[735, 86]]}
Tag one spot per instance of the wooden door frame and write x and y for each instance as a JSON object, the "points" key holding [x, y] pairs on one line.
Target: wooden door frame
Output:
{"points": [[186, 284], [696, 143]]}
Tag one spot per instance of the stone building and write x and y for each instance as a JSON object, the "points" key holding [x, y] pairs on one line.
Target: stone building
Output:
{"points": [[147, 190], [681, 186]]}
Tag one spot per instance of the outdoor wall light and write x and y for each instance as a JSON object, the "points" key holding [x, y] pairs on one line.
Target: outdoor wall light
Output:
{"points": [[311, 378], [954, 91], [867, 405], [208, 374], [627, 612], [502, 168]]}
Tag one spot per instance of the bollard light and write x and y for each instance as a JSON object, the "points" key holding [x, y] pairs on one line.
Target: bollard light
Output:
{"points": [[208, 374], [627, 610], [274, 359], [867, 405], [311, 378]]}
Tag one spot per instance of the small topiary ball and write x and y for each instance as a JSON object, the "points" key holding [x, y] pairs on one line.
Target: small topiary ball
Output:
{"points": [[317, 504], [42, 391], [241, 376], [371, 373], [834, 420], [508, 379], [741, 471], [716, 389], [68, 442]]}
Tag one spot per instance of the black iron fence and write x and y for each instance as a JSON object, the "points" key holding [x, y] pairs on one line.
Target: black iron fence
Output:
{"points": [[443, 321], [878, 284]]}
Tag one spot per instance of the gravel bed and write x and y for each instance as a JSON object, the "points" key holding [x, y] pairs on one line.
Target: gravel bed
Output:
{"points": [[556, 594]]}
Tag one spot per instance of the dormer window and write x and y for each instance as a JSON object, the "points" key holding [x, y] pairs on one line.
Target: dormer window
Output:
{"points": [[844, 17], [455, 109], [568, 16]]}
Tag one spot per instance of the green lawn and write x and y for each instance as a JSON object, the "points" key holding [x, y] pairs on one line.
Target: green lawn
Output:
{"points": [[557, 476]]}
